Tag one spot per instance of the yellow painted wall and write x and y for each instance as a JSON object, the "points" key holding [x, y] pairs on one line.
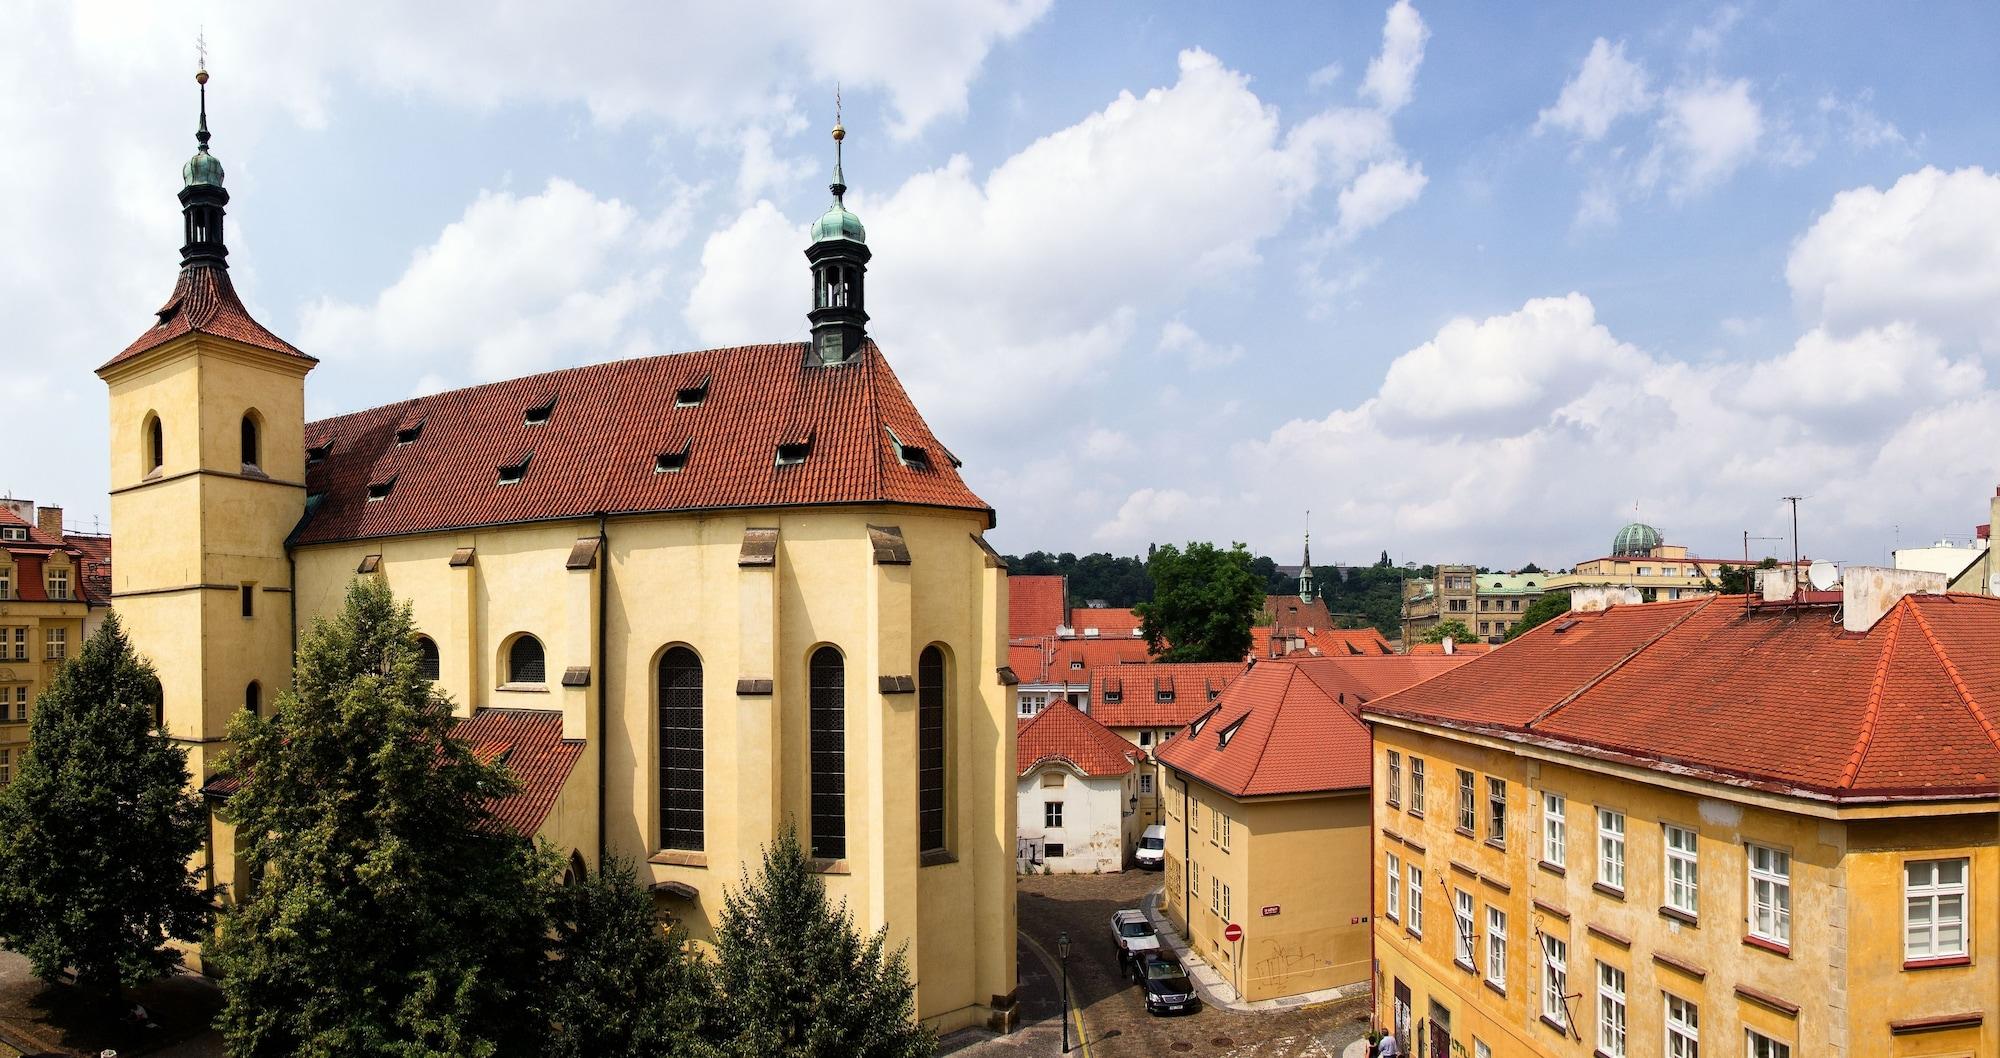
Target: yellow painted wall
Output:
{"points": [[1880, 990]]}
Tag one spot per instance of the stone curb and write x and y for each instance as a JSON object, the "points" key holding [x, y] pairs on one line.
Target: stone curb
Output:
{"points": [[1216, 991]]}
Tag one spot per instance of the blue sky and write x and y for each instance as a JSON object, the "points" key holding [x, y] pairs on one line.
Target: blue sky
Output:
{"points": [[1470, 281]]}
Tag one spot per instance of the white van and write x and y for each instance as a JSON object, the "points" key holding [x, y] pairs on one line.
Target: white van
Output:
{"points": [[1152, 851]]}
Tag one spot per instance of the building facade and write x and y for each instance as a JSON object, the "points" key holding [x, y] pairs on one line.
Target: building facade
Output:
{"points": [[1145, 704], [1079, 794], [50, 601], [1452, 594], [716, 594], [1613, 838], [1641, 558], [1502, 598]]}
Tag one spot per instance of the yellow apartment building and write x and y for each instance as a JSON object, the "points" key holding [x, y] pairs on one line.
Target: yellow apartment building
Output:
{"points": [[48, 590], [1267, 820], [1712, 826], [693, 598], [1146, 704]]}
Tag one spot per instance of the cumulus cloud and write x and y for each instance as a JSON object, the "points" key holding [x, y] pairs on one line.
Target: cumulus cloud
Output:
{"points": [[1378, 194], [1710, 129], [1183, 342], [1607, 87], [1392, 75]]}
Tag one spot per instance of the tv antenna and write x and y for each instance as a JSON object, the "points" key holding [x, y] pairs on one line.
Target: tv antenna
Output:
{"points": [[1798, 590]]}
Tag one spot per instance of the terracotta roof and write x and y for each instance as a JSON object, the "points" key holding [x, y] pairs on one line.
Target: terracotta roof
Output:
{"points": [[95, 556], [1129, 695], [1062, 732], [1421, 649], [31, 556], [36, 538], [530, 743], [601, 443], [1318, 642], [1046, 660], [1905, 710], [1294, 726], [1108, 620], [1036, 604], [204, 300]]}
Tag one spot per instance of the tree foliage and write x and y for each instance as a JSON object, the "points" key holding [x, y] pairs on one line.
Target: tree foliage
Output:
{"points": [[389, 916], [1114, 579], [620, 985], [97, 828], [1204, 602], [1450, 628], [1547, 607], [799, 982]]}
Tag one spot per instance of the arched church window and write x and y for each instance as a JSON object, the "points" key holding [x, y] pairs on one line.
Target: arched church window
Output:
{"points": [[931, 750], [827, 723], [525, 663], [681, 762]]}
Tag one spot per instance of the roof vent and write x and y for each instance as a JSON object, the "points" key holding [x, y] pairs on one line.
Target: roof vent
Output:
{"points": [[379, 490], [410, 433], [691, 396], [539, 413], [512, 473], [913, 456], [793, 453], [317, 454], [1564, 625], [672, 462]]}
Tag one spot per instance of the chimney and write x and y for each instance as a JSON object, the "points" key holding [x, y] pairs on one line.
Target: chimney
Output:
{"points": [[49, 520], [1778, 583], [1868, 592], [1603, 597], [22, 509]]}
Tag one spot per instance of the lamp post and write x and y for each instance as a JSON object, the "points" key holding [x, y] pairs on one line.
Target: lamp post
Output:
{"points": [[1062, 954]]}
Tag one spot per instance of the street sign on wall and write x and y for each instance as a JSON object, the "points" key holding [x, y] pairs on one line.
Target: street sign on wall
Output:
{"points": [[1269, 910], [1232, 933]]}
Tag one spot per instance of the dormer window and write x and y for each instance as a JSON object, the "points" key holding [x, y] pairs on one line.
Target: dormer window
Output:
{"points": [[1200, 722], [793, 454], [1222, 738], [691, 396], [1114, 691], [539, 414], [512, 473], [410, 433], [672, 462], [13, 532], [1163, 690], [912, 456], [379, 490], [313, 500], [317, 454]]}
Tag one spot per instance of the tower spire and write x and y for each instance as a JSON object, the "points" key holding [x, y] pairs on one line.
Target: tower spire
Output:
{"points": [[839, 185], [839, 259], [202, 195], [1306, 565]]}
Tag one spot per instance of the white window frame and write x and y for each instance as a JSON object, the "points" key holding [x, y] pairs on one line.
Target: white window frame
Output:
{"points": [[6, 581], [1682, 867], [1496, 947], [1555, 829], [58, 579], [1681, 1029], [1228, 823], [1052, 815], [1214, 895], [55, 644], [1758, 1045], [1415, 920], [1225, 904], [1395, 795], [1146, 782], [1392, 867], [1463, 928], [1417, 785], [1611, 848], [1769, 893], [1496, 799], [1610, 1010], [1468, 801], [1555, 979], [1933, 894]]}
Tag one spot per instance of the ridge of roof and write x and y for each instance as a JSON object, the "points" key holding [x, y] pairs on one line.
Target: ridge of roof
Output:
{"points": [[1877, 687], [1700, 605], [1951, 669], [1285, 691]]}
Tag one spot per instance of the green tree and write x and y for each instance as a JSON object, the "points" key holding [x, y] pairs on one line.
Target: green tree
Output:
{"points": [[799, 982], [1547, 607], [1450, 628], [390, 915], [620, 985], [1204, 601], [97, 828]]}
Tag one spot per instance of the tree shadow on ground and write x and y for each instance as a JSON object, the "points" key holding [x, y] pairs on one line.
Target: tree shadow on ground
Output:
{"points": [[64, 1019]]}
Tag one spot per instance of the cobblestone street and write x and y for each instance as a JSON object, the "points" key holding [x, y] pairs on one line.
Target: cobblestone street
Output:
{"points": [[1112, 1012]]}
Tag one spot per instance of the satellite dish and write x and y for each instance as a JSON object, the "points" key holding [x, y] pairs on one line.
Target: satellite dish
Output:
{"points": [[1823, 576]]}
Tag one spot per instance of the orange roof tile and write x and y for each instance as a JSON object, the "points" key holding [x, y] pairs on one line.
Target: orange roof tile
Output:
{"points": [[1046, 660], [530, 743], [205, 301], [1129, 695], [1036, 604], [1108, 620], [1062, 732]]}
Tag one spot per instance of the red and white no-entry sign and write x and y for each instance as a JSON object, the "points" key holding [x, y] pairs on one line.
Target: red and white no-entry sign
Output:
{"points": [[1232, 933]]}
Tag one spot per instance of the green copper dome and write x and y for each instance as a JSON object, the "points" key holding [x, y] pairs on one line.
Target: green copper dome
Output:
{"points": [[838, 223], [202, 169], [1637, 538]]}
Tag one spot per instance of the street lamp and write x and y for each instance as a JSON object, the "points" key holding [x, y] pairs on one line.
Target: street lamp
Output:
{"points": [[1062, 952]]}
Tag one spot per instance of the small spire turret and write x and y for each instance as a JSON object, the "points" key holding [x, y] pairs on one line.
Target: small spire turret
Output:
{"points": [[202, 195], [1306, 591], [839, 260]]}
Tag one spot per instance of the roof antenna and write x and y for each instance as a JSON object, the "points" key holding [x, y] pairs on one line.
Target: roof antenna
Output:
{"points": [[1798, 593]]}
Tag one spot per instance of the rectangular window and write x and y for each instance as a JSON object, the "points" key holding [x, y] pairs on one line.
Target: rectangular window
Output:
{"points": [[1225, 904], [1395, 778], [1145, 782], [1555, 978], [1226, 824], [1496, 811], [6, 582], [56, 641], [1480, 1049], [1417, 785], [1468, 812], [20, 644], [1393, 891], [1610, 1011], [1758, 1045], [1052, 851], [1555, 829], [1611, 848], [1683, 1028], [1463, 928], [1496, 947], [1416, 920], [249, 601], [1770, 894], [6, 766], [1146, 737], [1052, 814], [1214, 894], [1934, 908], [58, 584], [1683, 870], [1214, 827], [21, 702]]}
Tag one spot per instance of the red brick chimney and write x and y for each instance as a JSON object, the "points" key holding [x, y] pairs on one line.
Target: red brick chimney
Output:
{"points": [[49, 520]]}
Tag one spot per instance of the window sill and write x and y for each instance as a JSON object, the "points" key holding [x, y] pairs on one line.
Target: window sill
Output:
{"points": [[524, 688], [819, 866], [1937, 963], [1464, 831], [1416, 813], [1496, 843], [679, 858], [936, 858], [1499, 990], [1680, 916], [1397, 805], [1561, 1029], [1611, 891], [1414, 934], [1556, 869], [1466, 966], [1764, 944]]}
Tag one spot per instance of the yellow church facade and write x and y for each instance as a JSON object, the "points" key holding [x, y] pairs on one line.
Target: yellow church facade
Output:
{"points": [[723, 592]]}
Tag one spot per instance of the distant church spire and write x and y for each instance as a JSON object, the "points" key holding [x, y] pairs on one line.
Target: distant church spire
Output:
{"points": [[202, 195], [1306, 567], [838, 256]]}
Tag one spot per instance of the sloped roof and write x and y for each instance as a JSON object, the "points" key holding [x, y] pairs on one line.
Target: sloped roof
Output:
{"points": [[92, 586], [1324, 642], [1108, 620], [1423, 649], [530, 743], [1137, 690], [598, 449], [205, 301], [1294, 726], [1047, 660], [1036, 604], [95, 553], [1062, 732], [1769, 697]]}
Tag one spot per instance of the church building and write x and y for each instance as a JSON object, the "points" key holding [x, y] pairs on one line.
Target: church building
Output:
{"points": [[690, 599]]}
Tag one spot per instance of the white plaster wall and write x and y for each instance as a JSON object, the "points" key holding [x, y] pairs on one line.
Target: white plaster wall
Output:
{"points": [[1094, 831]]}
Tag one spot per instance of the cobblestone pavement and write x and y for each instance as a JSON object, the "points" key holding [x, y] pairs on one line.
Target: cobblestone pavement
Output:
{"points": [[1112, 1012]]}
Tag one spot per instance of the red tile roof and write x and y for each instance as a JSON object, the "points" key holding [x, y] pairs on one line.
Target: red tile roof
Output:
{"points": [[95, 557], [1420, 649], [1109, 621], [1136, 690], [1294, 726], [1708, 686], [1069, 661], [205, 301], [1319, 642], [598, 449], [1036, 604], [530, 743], [91, 585], [1062, 732]]}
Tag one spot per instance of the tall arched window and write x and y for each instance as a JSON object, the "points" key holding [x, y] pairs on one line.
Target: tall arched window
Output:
{"points": [[427, 658], [930, 750], [249, 441], [827, 724], [156, 444], [524, 661], [680, 750], [253, 698]]}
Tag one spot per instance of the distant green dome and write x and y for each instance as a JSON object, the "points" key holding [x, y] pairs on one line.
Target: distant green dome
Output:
{"points": [[202, 169], [835, 223], [1637, 538]]}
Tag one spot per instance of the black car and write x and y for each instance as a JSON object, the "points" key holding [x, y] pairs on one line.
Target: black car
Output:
{"points": [[1168, 990]]}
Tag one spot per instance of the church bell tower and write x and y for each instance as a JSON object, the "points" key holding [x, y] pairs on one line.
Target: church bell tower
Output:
{"points": [[839, 259]]}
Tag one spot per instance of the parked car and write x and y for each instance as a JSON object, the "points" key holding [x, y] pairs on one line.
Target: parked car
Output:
{"points": [[1133, 934], [1168, 990], [1152, 851]]}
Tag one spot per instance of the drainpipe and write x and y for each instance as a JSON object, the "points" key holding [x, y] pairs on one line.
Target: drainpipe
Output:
{"points": [[1187, 859], [603, 720]]}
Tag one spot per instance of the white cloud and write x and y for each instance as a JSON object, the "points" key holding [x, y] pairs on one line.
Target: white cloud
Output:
{"points": [[1392, 75], [1608, 86], [1105, 445], [1151, 515], [1324, 76], [1183, 342], [1378, 194], [1710, 129]]}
